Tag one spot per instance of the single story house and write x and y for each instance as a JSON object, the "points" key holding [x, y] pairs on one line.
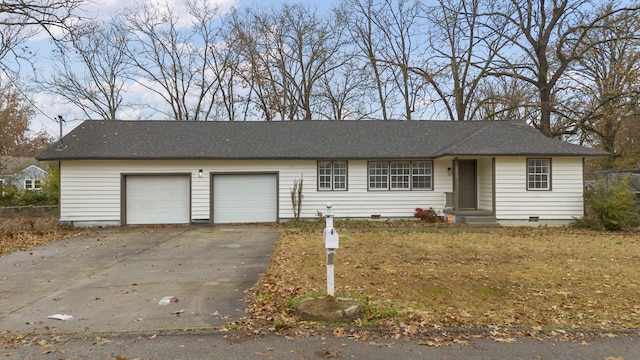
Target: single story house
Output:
{"points": [[21, 172], [161, 172]]}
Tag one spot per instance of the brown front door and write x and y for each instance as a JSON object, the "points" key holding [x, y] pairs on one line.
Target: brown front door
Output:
{"points": [[467, 193]]}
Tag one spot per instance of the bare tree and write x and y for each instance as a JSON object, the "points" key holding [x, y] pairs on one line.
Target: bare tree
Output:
{"points": [[504, 98], [23, 19], [345, 94], [546, 39], [461, 50], [385, 33], [170, 55], [608, 93], [285, 54], [93, 71], [365, 35], [222, 60], [257, 70]]}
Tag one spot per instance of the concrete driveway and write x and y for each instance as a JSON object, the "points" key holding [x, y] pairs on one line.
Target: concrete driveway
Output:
{"points": [[113, 279]]}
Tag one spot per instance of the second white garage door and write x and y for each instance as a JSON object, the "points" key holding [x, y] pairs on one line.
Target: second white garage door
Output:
{"points": [[245, 198], [157, 199]]}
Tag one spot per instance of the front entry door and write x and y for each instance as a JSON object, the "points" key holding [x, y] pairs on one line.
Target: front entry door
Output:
{"points": [[467, 193]]}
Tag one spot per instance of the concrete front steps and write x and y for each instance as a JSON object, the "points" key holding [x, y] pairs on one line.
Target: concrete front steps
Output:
{"points": [[480, 221], [474, 218]]}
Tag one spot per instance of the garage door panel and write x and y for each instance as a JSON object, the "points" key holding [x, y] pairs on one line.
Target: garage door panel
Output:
{"points": [[244, 198], [157, 199]]}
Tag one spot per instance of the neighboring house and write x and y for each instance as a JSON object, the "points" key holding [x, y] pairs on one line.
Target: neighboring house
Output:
{"points": [[21, 172], [150, 172]]}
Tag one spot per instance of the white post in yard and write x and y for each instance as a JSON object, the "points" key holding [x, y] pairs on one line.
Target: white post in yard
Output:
{"points": [[330, 237]]}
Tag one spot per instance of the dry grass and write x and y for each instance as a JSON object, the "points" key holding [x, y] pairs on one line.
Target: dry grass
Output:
{"points": [[507, 278], [21, 233]]}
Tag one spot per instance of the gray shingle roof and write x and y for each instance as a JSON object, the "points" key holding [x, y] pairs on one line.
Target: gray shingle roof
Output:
{"points": [[96, 139]]}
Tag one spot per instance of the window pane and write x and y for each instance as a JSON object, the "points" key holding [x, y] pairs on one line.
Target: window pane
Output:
{"points": [[378, 175], [400, 175], [339, 175], [421, 175], [538, 174], [332, 175], [324, 175]]}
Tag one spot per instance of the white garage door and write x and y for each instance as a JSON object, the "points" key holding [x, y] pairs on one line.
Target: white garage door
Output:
{"points": [[244, 198], [157, 199]]}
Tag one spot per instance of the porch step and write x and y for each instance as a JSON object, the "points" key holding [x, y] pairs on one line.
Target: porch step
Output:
{"points": [[480, 221]]}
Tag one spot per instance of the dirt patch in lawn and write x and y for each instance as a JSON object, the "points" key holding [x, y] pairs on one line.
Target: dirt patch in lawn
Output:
{"points": [[533, 278]]}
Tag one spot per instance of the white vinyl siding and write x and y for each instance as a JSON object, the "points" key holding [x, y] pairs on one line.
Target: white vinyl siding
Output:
{"points": [[90, 190], [485, 184], [563, 202]]}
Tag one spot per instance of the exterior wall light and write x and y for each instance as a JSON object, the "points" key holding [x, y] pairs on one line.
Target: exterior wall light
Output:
{"points": [[448, 171], [200, 173]]}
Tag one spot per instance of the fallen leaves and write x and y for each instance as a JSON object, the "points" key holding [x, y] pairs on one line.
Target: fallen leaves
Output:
{"points": [[528, 278], [9, 340], [18, 233]]}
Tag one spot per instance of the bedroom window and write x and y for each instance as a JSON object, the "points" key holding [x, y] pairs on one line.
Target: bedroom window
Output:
{"points": [[378, 175], [400, 175], [539, 174], [422, 172], [332, 175]]}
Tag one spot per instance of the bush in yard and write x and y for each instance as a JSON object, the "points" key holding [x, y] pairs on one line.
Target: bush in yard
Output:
{"points": [[429, 215], [610, 207]]}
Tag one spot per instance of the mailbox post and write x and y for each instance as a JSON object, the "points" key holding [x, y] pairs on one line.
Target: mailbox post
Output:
{"points": [[331, 239]]}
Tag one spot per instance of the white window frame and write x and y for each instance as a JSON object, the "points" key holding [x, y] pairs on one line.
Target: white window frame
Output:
{"points": [[539, 174], [332, 175], [32, 184], [400, 175]]}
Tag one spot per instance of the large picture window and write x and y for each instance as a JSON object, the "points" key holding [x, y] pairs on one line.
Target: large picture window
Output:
{"points": [[332, 175], [539, 174], [400, 175]]}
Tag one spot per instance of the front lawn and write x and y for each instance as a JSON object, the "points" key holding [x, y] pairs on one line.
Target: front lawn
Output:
{"points": [[528, 278]]}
